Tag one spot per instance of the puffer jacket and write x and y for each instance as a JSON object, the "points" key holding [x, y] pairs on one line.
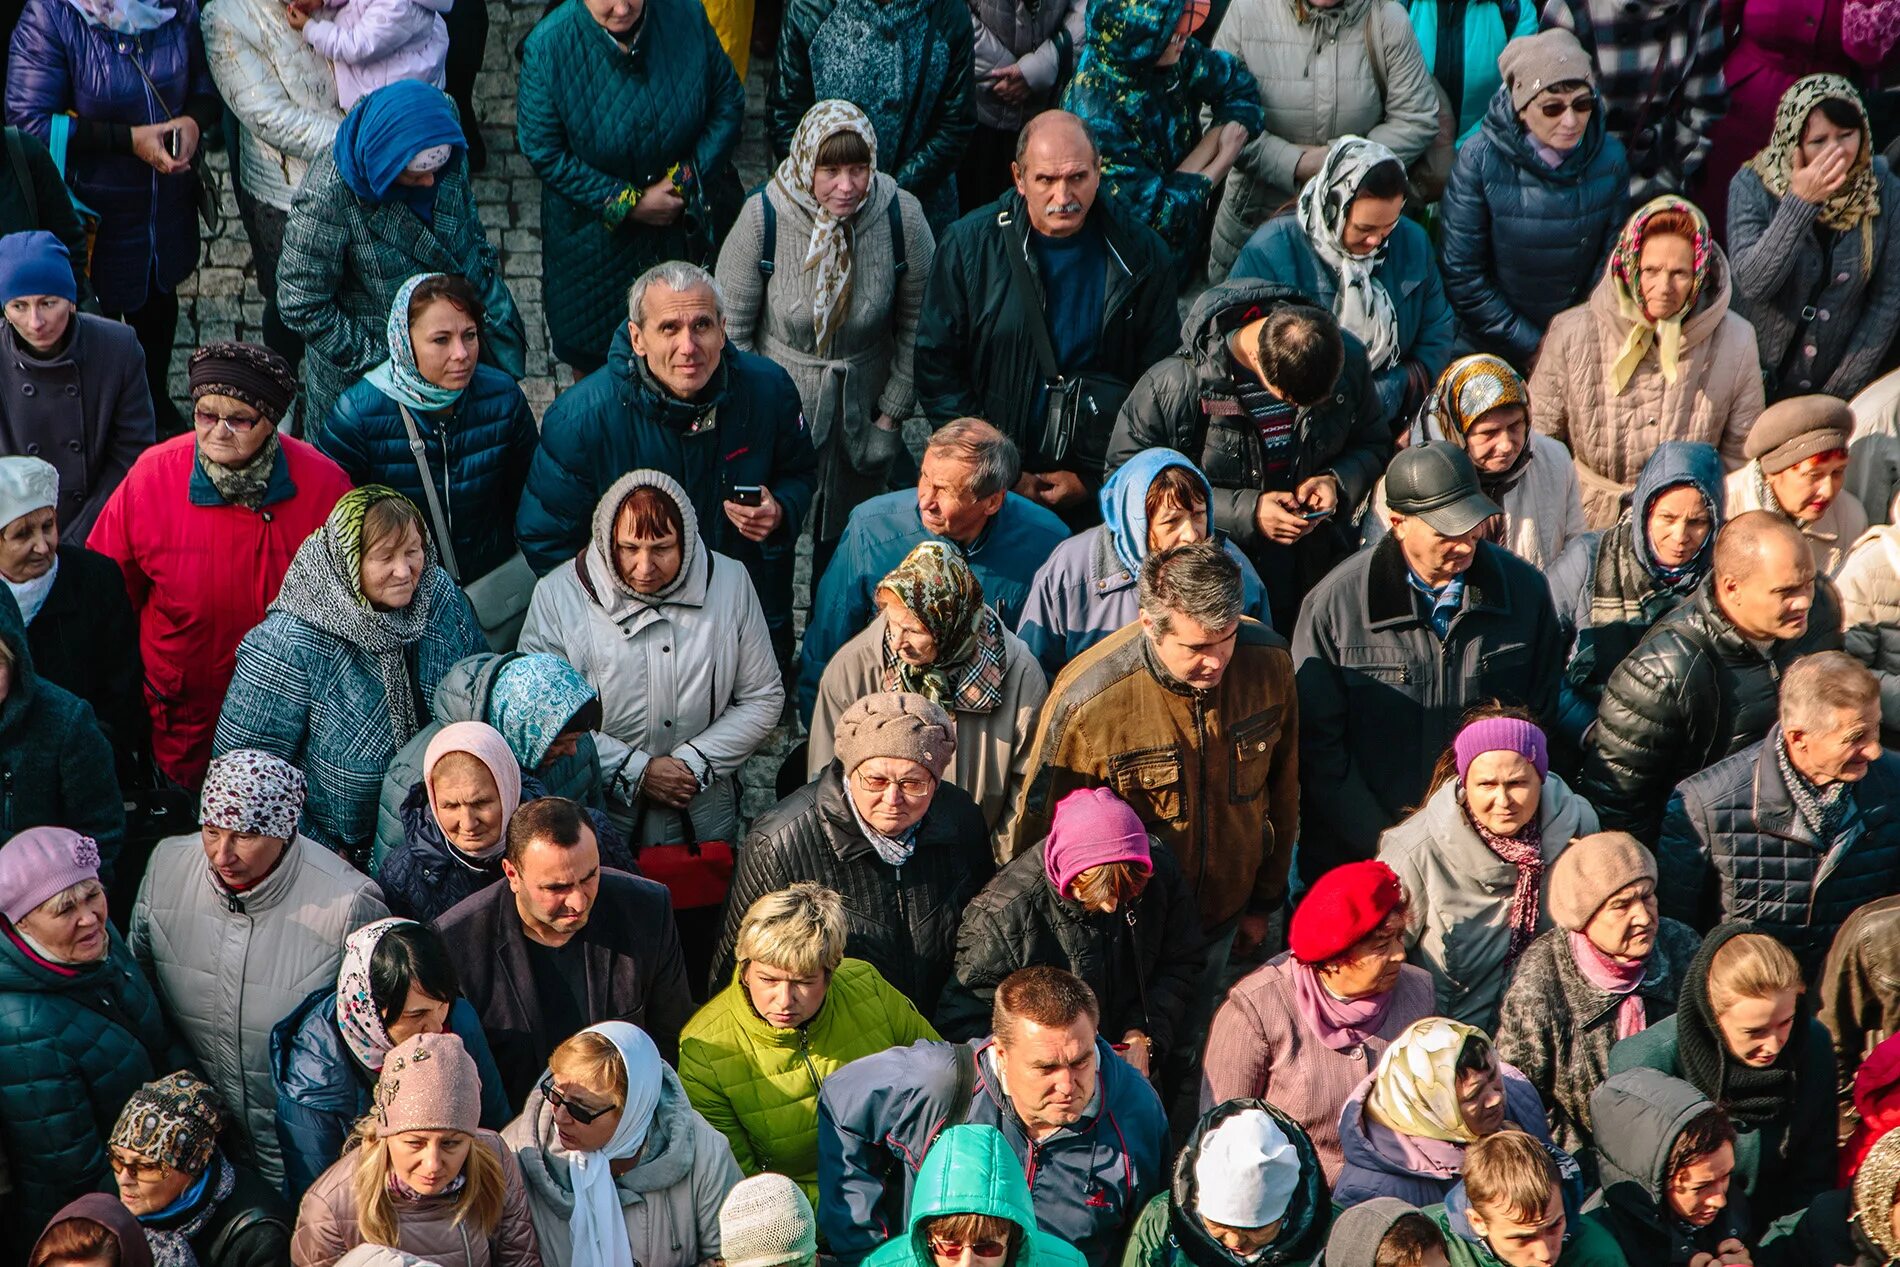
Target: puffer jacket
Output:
{"points": [[1873, 463], [1870, 611], [1543, 508], [78, 1044], [1461, 44], [1145, 118], [1715, 399], [1317, 81], [1380, 1162], [1521, 240], [1735, 847], [1143, 961], [900, 920], [318, 702], [282, 91], [595, 121], [670, 1199], [377, 42], [1280, 251], [425, 1226], [759, 1085], [1042, 40], [1558, 1028], [60, 63], [229, 966], [478, 460], [973, 1173], [1640, 1114], [1829, 537], [1694, 691], [1858, 998]]}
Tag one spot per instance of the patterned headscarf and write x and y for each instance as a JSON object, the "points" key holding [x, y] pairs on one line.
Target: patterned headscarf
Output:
{"points": [[254, 793], [324, 587], [939, 588], [1626, 272], [356, 1016], [1857, 201], [829, 252], [1874, 1185], [1471, 387], [1415, 1089], [398, 378], [1362, 305], [173, 1120]]}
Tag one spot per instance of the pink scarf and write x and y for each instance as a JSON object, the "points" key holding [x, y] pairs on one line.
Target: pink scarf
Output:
{"points": [[1614, 976], [1525, 851], [1338, 1023]]}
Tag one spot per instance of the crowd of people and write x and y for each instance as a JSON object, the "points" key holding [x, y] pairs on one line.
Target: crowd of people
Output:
{"points": [[1339, 713]]}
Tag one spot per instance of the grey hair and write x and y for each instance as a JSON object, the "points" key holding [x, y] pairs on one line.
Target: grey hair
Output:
{"points": [[1051, 118], [1816, 685], [675, 275], [998, 464], [1199, 581]]}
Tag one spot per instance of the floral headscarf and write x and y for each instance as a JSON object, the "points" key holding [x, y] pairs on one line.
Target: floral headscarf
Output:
{"points": [[1471, 387], [399, 378], [829, 252], [127, 17], [1362, 304], [939, 588], [1415, 1089], [356, 1017], [254, 793], [1626, 260], [1857, 201]]}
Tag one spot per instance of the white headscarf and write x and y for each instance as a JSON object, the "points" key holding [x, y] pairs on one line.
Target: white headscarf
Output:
{"points": [[1362, 306], [595, 1229]]}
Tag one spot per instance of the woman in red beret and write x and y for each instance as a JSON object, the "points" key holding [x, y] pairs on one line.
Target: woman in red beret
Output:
{"points": [[1307, 1027]]}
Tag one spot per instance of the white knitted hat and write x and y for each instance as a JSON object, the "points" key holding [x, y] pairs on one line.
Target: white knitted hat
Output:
{"points": [[766, 1221]]}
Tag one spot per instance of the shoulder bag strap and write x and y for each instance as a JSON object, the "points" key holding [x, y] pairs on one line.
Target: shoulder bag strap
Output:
{"points": [[895, 210], [768, 246], [1375, 54], [1026, 286], [16, 159], [443, 541]]}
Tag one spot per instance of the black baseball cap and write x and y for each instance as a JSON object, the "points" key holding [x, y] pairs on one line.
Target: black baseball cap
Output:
{"points": [[1436, 482]]}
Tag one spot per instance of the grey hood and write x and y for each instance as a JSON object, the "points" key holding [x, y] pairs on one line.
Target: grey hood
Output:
{"points": [[1638, 1115], [1356, 1233]]}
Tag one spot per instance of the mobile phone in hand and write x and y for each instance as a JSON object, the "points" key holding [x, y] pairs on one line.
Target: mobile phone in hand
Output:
{"points": [[173, 142], [1315, 514], [749, 494]]}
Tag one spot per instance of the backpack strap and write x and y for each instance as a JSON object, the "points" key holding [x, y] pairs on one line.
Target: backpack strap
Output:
{"points": [[768, 244], [895, 212], [580, 570], [960, 1095], [16, 159]]}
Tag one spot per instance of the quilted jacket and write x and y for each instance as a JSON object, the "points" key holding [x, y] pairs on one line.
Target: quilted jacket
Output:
{"points": [[1870, 611], [1734, 847], [1041, 39], [282, 91], [229, 966], [595, 121], [77, 1046], [759, 1085], [478, 459]]}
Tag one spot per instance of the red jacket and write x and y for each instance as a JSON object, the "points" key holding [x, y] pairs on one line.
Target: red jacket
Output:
{"points": [[1877, 1101], [200, 573]]}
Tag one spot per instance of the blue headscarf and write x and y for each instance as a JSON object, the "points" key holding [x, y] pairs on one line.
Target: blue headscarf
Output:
{"points": [[398, 378], [1124, 501], [384, 131]]}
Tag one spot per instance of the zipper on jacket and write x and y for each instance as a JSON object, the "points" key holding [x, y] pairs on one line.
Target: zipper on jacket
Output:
{"points": [[1141, 984], [804, 1054], [6, 801], [1200, 745]]}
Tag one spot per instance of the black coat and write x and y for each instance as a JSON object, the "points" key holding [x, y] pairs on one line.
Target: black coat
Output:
{"points": [[86, 639], [1694, 691], [250, 1228], [901, 920]]}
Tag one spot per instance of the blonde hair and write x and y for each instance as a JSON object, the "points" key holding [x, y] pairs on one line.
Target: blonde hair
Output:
{"points": [[478, 1204], [799, 929], [1511, 1172], [1751, 966], [592, 1060]]}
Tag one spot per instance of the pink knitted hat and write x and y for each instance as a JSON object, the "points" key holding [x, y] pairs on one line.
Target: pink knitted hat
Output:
{"points": [[41, 862], [429, 1083], [1091, 828]]}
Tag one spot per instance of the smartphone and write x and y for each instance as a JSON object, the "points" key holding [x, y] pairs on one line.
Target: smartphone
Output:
{"points": [[173, 143], [1315, 514], [749, 494]]}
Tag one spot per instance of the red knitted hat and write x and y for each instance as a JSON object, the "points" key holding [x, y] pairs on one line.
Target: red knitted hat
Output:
{"points": [[1346, 903]]}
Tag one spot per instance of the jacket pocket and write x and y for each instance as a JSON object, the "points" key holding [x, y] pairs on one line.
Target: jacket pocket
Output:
{"points": [[1503, 671], [1224, 455], [1250, 756], [1154, 778]]}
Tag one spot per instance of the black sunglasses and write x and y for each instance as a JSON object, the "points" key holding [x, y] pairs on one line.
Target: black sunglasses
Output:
{"points": [[1583, 107], [585, 1116]]}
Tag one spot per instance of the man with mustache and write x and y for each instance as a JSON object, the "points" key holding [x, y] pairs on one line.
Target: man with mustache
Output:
{"points": [[1042, 309]]}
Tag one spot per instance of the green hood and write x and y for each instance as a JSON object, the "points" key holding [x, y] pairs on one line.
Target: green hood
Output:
{"points": [[971, 1170]]}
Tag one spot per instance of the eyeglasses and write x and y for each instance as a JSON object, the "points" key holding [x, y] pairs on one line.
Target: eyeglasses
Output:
{"points": [[909, 789], [143, 1171], [237, 423], [1583, 107], [579, 1112], [982, 1249]]}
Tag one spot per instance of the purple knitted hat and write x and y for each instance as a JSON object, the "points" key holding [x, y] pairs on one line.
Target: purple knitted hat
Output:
{"points": [[1502, 734], [41, 862], [1091, 828]]}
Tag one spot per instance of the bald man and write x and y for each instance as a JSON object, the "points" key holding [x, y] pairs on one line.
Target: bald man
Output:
{"points": [[1048, 284], [1703, 683]]}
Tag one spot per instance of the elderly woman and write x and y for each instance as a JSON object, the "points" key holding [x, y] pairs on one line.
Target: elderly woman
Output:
{"points": [[797, 1010], [1350, 248], [630, 114], [120, 88], [843, 323], [1101, 898], [396, 981], [1653, 355], [620, 1167], [455, 832], [1814, 243], [1473, 856], [93, 1231], [204, 529], [1743, 1035], [1306, 1028], [81, 1028], [420, 1174], [1797, 470], [389, 199], [340, 673], [1481, 405], [934, 636], [1610, 968], [1535, 199], [904, 848], [194, 1204], [1438, 1088]]}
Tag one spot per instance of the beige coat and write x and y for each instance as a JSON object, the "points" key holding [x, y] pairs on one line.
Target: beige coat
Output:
{"points": [[1869, 581], [1830, 537], [1316, 87], [1543, 512], [1715, 398], [992, 754]]}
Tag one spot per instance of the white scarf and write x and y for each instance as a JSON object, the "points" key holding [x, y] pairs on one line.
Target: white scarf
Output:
{"points": [[31, 595], [1362, 304], [595, 1229]]}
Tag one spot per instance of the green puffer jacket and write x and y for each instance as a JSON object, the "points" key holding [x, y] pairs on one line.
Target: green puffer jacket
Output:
{"points": [[759, 1085], [971, 1170]]}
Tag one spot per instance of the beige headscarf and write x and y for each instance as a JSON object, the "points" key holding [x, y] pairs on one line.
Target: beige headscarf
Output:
{"points": [[1415, 1090], [1857, 201], [829, 253]]}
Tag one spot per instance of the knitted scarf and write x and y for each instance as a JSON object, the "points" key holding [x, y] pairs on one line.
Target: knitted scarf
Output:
{"points": [[1613, 976], [1340, 1024], [1855, 204], [1824, 809], [169, 1231], [1362, 305], [1753, 1097], [1625, 275], [829, 252], [939, 589], [244, 485], [1525, 851]]}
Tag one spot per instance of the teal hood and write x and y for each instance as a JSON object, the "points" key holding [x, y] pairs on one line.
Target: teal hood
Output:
{"points": [[971, 1170], [1124, 501]]}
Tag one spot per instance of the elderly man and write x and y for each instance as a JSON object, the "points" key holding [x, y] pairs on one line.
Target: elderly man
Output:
{"points": [[1795, 832], [1702, 684], [1042, 308], [1088, 1129], [962, 498], [1402, 639], [237, 924], [674, 397]]}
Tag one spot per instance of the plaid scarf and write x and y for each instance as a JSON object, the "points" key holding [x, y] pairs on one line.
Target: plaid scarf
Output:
{"points": [[935, 585]]}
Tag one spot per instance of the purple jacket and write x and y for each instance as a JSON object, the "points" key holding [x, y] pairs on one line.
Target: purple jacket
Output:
{"points": [[1382, 1163], [60, 63]]}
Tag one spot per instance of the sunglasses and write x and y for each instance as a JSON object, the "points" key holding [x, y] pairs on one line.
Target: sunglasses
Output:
{"points": [[981, 1249], [1583, 107], [579, 1112]]}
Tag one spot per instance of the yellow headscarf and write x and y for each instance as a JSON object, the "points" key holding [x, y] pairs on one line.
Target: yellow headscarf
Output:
{"points": [[1625, 275], [1415, 1090]]}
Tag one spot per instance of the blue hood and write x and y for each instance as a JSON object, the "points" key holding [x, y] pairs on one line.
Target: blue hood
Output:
{"points": [[1674, 463], [384, 131], [1569, 1178], [1124, 500]]}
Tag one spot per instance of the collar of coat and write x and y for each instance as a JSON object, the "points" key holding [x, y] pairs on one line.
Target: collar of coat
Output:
{"points": [[202, 492], [269, 891], [1775, 810], [1389, 593]]}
